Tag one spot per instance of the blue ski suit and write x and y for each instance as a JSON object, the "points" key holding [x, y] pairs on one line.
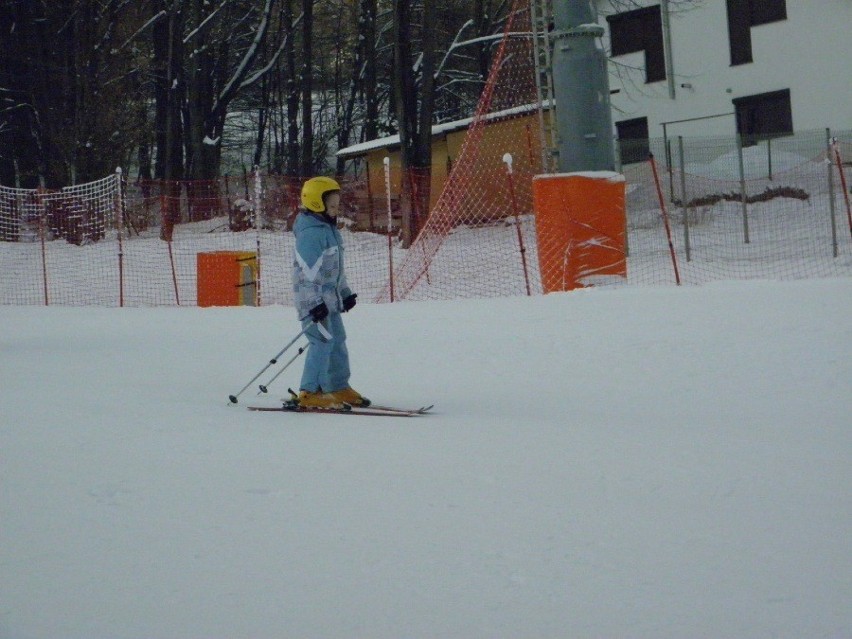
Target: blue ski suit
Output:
{"points": [[318, 276]]}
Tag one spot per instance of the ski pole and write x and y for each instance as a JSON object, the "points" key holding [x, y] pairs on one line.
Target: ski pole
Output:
{"points": [[264, 388], [272, 362]]}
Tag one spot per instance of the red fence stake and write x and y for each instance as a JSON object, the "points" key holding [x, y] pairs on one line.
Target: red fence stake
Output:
{"points": [[165, 212], [390, 227], [844, 188], [665, 215]]}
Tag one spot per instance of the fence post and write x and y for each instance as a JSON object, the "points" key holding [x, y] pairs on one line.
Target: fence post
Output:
{"points": [[743, 194], [119, 223], [769, 155], [258, 220], [670, 167], [390, 226], [42, 231], [172, 264], [831, 206], [686, 243], [370, 207], [507, 159]]}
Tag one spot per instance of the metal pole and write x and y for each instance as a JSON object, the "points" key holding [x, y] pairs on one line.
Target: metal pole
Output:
{"points": [[743, 195], [119, 223], [258, 221], [831, 205], [370, 207], [42, 231], [769, 155], [264, 388], [390, 226], [667, 46], [670, 169], [507, 158], [539, 41], [581, 89], [683, 199]]}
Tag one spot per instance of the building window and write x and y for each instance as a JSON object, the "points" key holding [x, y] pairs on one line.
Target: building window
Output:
{"points": [[766, 11], [762, 116], [745, 14], [633, 140], [640, 30]]}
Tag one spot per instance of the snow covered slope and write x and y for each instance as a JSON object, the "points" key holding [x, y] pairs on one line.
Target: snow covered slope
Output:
{"points": [[643, 462]]}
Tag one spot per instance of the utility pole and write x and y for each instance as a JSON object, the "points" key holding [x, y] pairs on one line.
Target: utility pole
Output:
{"points": [[581, 89]]}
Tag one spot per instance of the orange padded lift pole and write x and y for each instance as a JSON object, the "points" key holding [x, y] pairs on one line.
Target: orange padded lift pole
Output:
{"points": [[581, 229]]}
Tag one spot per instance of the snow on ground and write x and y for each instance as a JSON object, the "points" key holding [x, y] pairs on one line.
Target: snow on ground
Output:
{"points": [[636, 462]]}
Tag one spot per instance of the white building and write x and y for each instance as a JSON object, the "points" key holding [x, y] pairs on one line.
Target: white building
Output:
{"points": [[761, 68]]}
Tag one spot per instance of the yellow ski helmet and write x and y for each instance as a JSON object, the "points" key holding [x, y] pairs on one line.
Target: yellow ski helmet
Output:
{"points": [[314, 192]]}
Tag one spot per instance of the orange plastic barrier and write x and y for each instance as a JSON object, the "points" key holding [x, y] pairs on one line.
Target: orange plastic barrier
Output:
{"points": [[227, 278], [581, 229]]}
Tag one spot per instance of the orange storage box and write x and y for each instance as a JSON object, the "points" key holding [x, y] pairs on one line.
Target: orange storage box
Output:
{"points": [[227, 278]]}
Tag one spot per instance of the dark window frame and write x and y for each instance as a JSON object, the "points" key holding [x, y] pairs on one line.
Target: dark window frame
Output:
{"points": [[764, 116], [634, 133], [767, 11], [640, 30], [745, 14]]}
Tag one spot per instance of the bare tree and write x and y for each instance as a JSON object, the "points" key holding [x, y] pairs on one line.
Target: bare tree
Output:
{"points": [[414, 106], [168, 84], [66, 85], [306, 76], [348, 102], [292, 96], [224, 59], [85, 83]]}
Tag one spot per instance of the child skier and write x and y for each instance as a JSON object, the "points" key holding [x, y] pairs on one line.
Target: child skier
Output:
{"points": [[321, 295]]}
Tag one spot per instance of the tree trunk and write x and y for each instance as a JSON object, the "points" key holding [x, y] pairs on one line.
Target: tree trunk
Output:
{"points": [[168, 51], [482, 12], [306, 82], [346, 117], [202, 160], [293, 149], [371, 100], [414, 114], [262, 122]]}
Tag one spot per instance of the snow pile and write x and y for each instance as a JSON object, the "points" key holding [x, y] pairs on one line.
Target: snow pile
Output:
{"points": [[756, 164]]}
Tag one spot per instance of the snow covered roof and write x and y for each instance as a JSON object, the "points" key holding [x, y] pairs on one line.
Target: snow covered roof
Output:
{"points": [[445, 127]]}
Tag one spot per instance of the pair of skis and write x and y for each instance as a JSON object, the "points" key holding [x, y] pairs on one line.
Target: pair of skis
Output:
{"points": [[370, 411]]}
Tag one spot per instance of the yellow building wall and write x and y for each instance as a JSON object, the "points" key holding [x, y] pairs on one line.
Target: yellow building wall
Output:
{"points": [[518, 136]]}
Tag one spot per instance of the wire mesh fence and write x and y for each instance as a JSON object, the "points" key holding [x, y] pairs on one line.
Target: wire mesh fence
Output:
{"points": [[775, 209], [778, 209]]}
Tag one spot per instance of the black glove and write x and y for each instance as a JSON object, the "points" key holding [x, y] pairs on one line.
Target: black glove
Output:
{"points": [[319, 313], [349, 301]]}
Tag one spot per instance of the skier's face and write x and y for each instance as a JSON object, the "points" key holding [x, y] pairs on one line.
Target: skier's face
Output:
{"points": [[332, 204]]}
